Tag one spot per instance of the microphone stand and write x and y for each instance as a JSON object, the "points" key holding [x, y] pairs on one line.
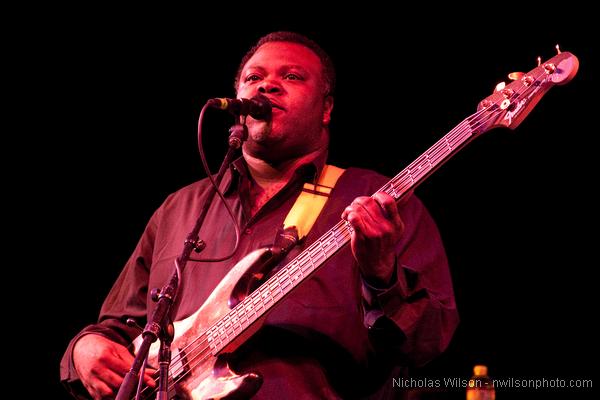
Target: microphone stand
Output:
{"points": [[160, 325]]}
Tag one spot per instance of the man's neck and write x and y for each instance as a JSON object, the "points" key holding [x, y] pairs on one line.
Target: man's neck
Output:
{"points": [[268, 179], [267, 175]]}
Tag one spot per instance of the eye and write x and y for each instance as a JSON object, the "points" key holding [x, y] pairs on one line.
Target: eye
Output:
{"points": [[293, 77], [252, 77]]}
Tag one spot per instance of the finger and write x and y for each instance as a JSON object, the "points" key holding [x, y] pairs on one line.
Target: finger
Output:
{"points": [[370, 206], [386, 202], [116, 373], [100, 391], [383, 217], [149, 379], [105, 383], [356, 217], [121, 363], [127, 361], [350, 208], [390, 207], [150, 369]]}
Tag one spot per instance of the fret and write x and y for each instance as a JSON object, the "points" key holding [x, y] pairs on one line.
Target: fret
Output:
{"points": [[465, 134], [292, 272], [307, 267], [439, 150], [312, 247], [217, 340], [317, 257], [265, 295], [210, 341], [249, 309], [285, 282], [294, 275], [242, 315], [258, 304], [329, 246], [405, 184], [392, 190], [278, 295], [419, 163], [460, 137], [266, 298], [334, 237], [300, 273], [303, 257], [227, 325], [401, 185], [458, 131], [237, 319], [447, 141], [403, 179], [310, 257], [321, 249], [419, 167], [222, 330], [274, 287]]}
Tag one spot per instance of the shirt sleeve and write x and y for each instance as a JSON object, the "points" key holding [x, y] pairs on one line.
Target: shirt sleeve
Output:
{"points": [[418, 310], [131, 284]]}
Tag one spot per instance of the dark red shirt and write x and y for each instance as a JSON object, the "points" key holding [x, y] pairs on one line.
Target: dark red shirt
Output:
{"points": [[334, 336]]}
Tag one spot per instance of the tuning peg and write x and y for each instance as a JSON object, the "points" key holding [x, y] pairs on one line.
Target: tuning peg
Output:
{"points": [[539, 60], [557, 49], [515, 76], [500, 86]]}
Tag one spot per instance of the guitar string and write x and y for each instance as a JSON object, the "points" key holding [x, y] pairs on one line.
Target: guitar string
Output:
{"points": [[202, 352], [249, 317], [393, 188], [461, 131], [397, 183], [401, 182]]}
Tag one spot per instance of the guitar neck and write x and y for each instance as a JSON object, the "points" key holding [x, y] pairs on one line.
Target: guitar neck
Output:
{"points": [[270, 293], [428, 162]]}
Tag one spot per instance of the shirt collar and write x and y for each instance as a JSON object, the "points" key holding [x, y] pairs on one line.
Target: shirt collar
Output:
{"points": [[239, 169]]}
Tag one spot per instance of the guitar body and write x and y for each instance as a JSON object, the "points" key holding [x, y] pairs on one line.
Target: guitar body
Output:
{"points": [[198, 373]]}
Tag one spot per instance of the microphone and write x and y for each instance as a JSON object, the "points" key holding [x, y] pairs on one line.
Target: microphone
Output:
{"points": [[258, 107]]}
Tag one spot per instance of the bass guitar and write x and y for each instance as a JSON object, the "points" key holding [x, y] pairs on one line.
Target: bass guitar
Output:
{"points": [[199, 367]]}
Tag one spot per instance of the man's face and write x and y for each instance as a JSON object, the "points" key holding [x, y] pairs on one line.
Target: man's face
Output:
{"points": [[291, 77]]}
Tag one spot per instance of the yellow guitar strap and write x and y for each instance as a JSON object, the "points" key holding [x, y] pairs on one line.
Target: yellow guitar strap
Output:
{"points": [[309, 204]]}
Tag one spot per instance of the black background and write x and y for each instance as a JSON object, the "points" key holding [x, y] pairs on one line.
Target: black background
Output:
{"points": [[111, 106]]}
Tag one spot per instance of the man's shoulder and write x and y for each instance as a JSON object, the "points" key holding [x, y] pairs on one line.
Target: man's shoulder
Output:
{"points": [[362, 180], [367, 173], [193, 188], [192, 192]]}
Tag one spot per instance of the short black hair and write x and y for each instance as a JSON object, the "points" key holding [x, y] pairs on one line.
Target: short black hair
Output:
{"points": [[293, 37]]}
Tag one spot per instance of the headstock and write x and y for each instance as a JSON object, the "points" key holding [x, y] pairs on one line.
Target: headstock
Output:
{"points": [[510, 104]]}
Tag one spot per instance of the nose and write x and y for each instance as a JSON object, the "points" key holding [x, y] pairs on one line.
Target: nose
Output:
{"points": [[269, 86]]}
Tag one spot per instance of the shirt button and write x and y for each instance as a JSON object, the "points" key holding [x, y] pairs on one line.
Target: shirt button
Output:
{"points": [[248, 231]]}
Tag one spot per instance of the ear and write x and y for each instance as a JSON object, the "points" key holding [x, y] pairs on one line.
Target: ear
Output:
{"points": [[327, 108]]}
